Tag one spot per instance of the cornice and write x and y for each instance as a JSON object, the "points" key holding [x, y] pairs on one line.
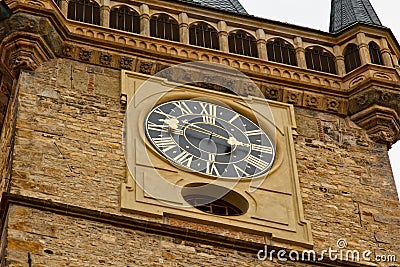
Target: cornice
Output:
{"points": [[57, 36]]}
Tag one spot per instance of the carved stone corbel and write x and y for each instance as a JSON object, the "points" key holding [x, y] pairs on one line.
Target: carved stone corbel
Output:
{"points": [[381, 123], [24, 51]]}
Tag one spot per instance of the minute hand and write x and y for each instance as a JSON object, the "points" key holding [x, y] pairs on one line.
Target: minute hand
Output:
{"points": [[202, 130], [231, 140]]}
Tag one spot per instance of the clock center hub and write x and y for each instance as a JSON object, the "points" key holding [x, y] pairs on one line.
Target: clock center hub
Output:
{"points": [[208, 138]]}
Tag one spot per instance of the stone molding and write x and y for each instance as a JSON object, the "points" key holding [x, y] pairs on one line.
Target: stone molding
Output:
{"points": [[381, 123], [24, 51], [30, 41]]}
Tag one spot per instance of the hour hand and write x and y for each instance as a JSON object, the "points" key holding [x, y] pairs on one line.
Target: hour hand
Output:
{"points": [[234, 142], [172, 123]]}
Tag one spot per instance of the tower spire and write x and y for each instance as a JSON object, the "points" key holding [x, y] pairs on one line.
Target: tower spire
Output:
{"points": [[347, 12]]}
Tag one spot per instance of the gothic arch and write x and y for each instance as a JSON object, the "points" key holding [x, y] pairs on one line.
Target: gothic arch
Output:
{"points": [[320, 59], [203, 34], [242, 43], [84, 11], [351, 57], [375, 53], [125, 18], [281, 51], [164, 26]]}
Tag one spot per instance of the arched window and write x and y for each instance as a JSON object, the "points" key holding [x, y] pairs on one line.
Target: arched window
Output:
{"points": [[216, 207], [125, 18], [243, 43], [321, 60], [375, 53], [85, 11], [165, 27], [351, 57], [281, 51], [202, 34], [215, 199]]}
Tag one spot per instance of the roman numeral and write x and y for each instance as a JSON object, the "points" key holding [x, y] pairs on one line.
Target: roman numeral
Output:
{"points": [[157, 127], [165, 143], [211, 169], [184, 158], [257, 162], [239, 171], [209, 120], [263, 149], [211, 157], [161, 112], [234, 118], [208, 109], [209, 112], [183, 108], [254, 132]]}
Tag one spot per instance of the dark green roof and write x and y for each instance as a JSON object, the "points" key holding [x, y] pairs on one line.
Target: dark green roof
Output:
{"points": [[347, 12], [227, 5]]}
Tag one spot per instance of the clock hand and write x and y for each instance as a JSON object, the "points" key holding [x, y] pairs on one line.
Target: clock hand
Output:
{"points": [[174, 124], [234, 142], [231, 140], [202, 130]]}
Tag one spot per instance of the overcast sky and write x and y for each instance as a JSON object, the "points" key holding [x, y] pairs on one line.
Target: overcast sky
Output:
{"points": [[315, 14]]}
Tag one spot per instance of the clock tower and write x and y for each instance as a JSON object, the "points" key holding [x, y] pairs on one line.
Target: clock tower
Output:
{"points": [[190, 133]]}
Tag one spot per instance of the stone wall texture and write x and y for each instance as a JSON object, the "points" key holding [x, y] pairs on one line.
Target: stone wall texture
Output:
{"points": [[68, 149], [6, 142]]}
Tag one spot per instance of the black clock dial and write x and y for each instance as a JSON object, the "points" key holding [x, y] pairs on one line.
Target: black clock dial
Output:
{"points": [[209, 139]]}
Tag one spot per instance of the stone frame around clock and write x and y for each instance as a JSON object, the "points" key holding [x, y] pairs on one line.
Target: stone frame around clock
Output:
{"points": [[275, 207]]}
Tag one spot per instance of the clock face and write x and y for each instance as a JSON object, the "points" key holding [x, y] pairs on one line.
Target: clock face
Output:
{"points": [[209, 139]]}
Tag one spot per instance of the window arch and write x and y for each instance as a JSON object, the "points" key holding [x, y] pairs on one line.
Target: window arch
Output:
{"points": [[280, 51], [351, 57], [125, 18], [164, 27], [375, 53], [85, 11], [242, 43], [209, 205], [202, 34], [213, 199], [319, 59]]}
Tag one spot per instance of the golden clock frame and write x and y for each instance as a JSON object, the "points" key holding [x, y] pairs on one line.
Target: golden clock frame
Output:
{"points": [[153, 185]]}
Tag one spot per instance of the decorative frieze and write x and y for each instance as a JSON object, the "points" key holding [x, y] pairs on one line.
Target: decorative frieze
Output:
{"points": [[85, 55], [146, 67], [105, 59], [27, 45], [68, 50], [126, 63]]}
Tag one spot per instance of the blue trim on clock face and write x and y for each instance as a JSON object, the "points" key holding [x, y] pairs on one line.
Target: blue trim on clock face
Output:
{"points": [[209, 139]]}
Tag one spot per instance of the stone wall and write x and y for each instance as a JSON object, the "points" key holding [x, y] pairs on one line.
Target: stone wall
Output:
{"points": [[63, 241], [7, 128], [68, 149], [347, 185], [69, 136]]}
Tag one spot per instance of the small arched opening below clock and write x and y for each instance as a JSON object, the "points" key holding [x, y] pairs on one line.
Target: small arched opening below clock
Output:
{"points": [[216, 200]]}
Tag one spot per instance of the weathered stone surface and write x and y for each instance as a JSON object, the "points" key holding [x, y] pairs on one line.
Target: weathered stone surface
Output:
{"points": [[68, 141], [68, 149], [78, 242]]}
